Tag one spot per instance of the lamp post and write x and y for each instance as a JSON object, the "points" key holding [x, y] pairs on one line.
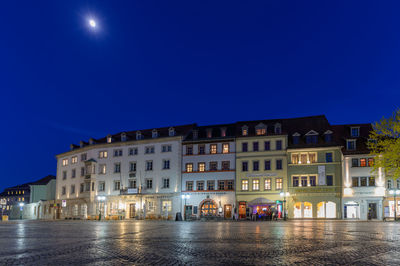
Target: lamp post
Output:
{"points": [[101, 200], [284, 195], [21, 207], [394, 192], [185, 197]]}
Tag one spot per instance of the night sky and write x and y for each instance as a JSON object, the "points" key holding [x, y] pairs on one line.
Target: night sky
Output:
{"points": [[159, 63]]}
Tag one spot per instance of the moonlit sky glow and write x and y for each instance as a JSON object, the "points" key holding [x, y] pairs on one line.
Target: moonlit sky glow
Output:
{"points": [[164, 63]]}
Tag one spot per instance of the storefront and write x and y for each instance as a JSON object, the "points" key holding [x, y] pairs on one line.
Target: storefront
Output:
{"points": [[260, 208]]}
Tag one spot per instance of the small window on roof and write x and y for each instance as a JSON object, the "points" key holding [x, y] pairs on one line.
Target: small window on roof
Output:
{"points": [[138, 135], [355, 131], [123, 136], [261, 129], [154, 133], [278, 128], [245, 131], [109, 139], [171, 132]]}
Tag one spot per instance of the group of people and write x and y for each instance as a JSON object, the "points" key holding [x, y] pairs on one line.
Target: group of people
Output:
{"points": [[265, 215]]}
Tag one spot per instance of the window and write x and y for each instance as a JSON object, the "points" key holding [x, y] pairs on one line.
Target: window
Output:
{"points": [[213, 166], [230, 184], [87, 186], [103, 154], [279, 145], [267, 165], [83, 157], [166, 148], [312, 139], [171, 132], [149, 150], [149, 183], [200, 185], [189, 167], [267, 184], [165, 182], [74, 159], [303, 158], [117, 168], [313, 180], [328, 137], [102, 169], [64, 173], [370, 162], [329, 180], [389, 184], [363, 162], [256, 184], [354, 181], [154, 133], [278, 164], [149, 165], [303, 181], [189, 150], [355, 131], [213, 148], [256, 166], [109, 139], [245, 184], [261, 131], [363, 181], [117, 185], [65, 162], [202, 149], [255, 146], [210, 185], [132, 183], [139, 135], [225, 165], [221, 185], [165, 164], [73, 173], [295, 181], [354, 162], [371, 182], [245, 131], [278, 129], [295, 158], [351, 144], [312, 157], [63, 190], [132, 167], [102, 186], [82, 187], [278, 184], [245, 166], [296, 140], [329, 157], [225, 148], [201, 167], [72, 189], [133, 151], [244, 147], [117, 153]]}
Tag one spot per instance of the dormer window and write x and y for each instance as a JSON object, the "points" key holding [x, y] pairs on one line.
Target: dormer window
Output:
{"points": [[278, 128], [81, 144], [171, 132], [123, 137], [296, 138], [312, 137], [195, 134], [245, 131], [328, 136], [91, 141], [261, 129], [138, 135], [355, 131], [223, 132], [154, 133], [209, 133], [109, 139], [351, 144]]}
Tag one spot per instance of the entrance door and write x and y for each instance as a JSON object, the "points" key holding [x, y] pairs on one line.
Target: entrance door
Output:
{"points": [[372, 211], [132, 210], [188, 211], [228, 211], [242, 210]]}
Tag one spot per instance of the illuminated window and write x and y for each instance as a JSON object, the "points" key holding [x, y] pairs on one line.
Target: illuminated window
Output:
{"points": [[267, 184], [65, 162], [189, 167], [354, 181], [256, 184], [103, 154], [201, 167], [370, 162], [200, 185], [245, 184], [167, 205], [74, 159], [225, 165], [213, 166], [245, 131], [312, 157], [225, 148], [278, 184], [295, 158], [303, 158], [363, 162], [109, 139], [213, 148]]}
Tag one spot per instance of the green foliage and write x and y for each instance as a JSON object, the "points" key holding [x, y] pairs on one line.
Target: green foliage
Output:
{"points": [[384, 144]]}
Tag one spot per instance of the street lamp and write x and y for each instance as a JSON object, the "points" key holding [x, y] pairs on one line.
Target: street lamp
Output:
{"points": [[394, 192], [284, 195], [185, 197], [101, 200], [21, 206]]}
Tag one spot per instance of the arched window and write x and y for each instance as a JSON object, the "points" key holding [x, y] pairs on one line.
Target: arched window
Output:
{"points": [[209, 208]]}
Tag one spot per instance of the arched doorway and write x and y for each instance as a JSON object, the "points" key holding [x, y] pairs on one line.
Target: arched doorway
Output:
{"points": [[208, 208]]}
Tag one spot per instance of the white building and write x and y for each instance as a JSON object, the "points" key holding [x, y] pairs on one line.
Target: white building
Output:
{"points": [[208, 172], [133, 174], [363, 190]]}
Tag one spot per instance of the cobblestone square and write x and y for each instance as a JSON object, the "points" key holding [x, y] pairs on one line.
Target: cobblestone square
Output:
{"points": [[200, 243]]}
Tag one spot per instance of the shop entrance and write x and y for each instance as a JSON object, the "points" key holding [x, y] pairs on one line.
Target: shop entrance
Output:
{"points": [[242, 210], [372, 211], [188, 211], [228, 211], [132, 210]]}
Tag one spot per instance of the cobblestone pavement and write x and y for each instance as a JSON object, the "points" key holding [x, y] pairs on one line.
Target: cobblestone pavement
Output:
{"points": [[206, 243]]}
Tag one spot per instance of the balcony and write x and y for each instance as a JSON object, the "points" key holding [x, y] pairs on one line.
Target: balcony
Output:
{"points": [[129, 191]]}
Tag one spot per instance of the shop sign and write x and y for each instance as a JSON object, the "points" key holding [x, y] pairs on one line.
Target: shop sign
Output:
{"points": [[261, 175], [132, 190]]}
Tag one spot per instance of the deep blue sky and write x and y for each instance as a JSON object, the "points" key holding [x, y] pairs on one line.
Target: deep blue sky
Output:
{"points": [[160, 63]]}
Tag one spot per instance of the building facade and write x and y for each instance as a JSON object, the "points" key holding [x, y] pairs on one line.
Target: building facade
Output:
{"points": [[128, 175], [208, 172]]}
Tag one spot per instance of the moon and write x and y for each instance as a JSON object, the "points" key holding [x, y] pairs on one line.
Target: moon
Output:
{"points": [[92, 23]]}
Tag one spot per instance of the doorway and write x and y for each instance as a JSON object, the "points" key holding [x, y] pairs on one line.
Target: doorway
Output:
{"points": [[188, 211], [132, 210], [228, 211], [372, 211]]}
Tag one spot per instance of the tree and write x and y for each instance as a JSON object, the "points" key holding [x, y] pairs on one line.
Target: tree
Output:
{"points": [[384, 144]]}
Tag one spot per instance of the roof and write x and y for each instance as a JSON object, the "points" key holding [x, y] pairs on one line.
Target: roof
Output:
{"points": [[343, 132], [44, 181], [216, 132]]}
